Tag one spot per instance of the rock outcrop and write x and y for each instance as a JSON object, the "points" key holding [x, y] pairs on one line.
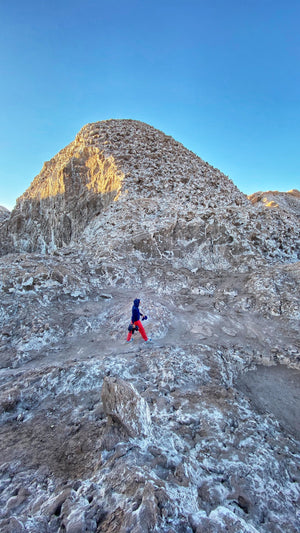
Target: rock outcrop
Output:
{"points": [[78, 183], [4, 213], [285, 201], [5, 238]]}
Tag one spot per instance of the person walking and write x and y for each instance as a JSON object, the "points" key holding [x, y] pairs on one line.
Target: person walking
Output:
{"points": [[135, 321]]}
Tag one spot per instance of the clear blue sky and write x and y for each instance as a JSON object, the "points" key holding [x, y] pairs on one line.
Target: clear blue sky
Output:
{"points": [[220, 76]]}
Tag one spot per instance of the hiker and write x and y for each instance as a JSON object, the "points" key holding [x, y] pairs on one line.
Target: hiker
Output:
{"points": [[135, 321]]}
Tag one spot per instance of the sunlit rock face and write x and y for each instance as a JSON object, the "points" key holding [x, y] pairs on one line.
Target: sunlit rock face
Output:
{"points": [[287, 201], [78, 183]]}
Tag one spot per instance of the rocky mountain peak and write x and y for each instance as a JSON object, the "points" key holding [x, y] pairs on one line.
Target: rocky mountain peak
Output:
{"points": [[108, 159], [122, 184]]}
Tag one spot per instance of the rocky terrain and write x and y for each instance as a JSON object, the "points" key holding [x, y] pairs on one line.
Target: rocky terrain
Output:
{"points": [[287, 201], [4, 213], [197, 431]]}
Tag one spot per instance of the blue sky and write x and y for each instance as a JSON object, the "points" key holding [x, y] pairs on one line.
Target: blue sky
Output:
{"points": [[220, 76]]}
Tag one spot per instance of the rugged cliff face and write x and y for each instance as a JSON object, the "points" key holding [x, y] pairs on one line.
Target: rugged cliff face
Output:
{"points": [[78, 183], [197, 431]]}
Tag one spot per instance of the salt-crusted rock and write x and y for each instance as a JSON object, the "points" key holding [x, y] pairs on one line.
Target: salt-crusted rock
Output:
{"points": [[124, 404], [186, 213], [4, 213], [286, 201], [128, 212]]}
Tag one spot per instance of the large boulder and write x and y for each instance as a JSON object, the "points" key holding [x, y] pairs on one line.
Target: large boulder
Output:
{"points": [[122, 402]]}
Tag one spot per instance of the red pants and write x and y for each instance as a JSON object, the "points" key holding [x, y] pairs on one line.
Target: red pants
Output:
{"points": [[142, 331]]}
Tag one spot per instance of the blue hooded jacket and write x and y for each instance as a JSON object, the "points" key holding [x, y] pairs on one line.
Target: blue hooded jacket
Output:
{"points": [[135, 311]]}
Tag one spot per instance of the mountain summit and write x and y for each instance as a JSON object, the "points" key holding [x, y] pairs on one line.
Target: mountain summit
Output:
{"points": [[105, 161], [128, 184]]}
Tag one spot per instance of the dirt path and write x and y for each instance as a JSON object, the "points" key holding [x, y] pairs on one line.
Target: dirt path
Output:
{"points": [[192, 321]]}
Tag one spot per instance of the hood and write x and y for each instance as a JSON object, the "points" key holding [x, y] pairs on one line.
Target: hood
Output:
{"points": [[136, 302]]}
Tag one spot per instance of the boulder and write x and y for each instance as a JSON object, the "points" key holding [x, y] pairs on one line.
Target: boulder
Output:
{"points": [[124, 405]]}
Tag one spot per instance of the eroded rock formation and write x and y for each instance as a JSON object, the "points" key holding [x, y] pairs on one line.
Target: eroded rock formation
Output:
{"points": [[4, 213], [170, 204]]}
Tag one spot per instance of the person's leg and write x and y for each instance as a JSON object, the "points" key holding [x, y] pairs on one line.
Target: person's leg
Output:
{"points": [[129, 336], [141, 329]]}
